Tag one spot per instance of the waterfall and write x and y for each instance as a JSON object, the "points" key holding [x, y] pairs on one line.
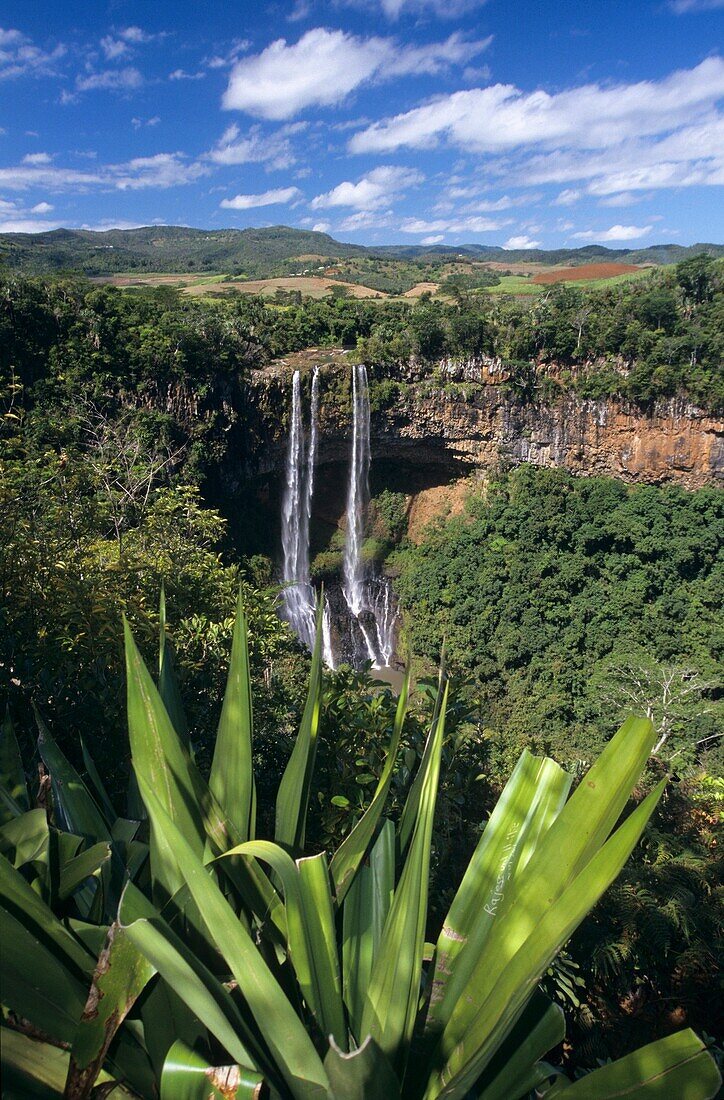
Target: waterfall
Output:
{"points": [[298, 598], [358, 493], [360, 616]]}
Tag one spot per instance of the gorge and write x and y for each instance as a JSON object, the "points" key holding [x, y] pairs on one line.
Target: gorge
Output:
{"points": [[427, 431]]}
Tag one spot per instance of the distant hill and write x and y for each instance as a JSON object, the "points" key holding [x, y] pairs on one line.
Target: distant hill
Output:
{"points": [[263, 253]]}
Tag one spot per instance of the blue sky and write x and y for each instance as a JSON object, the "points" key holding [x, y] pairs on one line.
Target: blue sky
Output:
{"points": [[504, 122]]}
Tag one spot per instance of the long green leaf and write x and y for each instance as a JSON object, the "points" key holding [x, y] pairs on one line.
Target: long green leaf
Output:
{"points": [[168, 687], [25, 839], [14, 797], [104, 802], [88, 863], [293, 795], [159, 755], [120, 976], [32, 1070], [364, 913], [363, 1074], [72, 801], [514, 1071], [577, 832], [351, 851], [532, 798], [188, 1076], [509, 969], [283, 1032], [187, 976], [319, 918], [678, 1066], [232, 777], [394, 987], [410, 809], [17, 897], [161, 758]]}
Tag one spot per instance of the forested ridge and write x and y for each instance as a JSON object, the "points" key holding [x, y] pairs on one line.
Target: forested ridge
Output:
{"points": [[561, 603]]}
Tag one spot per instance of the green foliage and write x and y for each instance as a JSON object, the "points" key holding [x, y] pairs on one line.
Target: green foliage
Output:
{"points": [[311, 978], [549, 584]]}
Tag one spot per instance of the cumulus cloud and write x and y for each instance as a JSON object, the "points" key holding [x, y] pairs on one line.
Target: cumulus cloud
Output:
{"points": [[113, 48], [113, 80], [615, 233], [691, 156], [267, 198], [19, 56], [254, 147], [378, 188], [521, 242], [453, 225], [37, 158], [568, 197], [160, 171], [433, 240], [321, 227], [325, 66], [501, 117], [14, 218]]}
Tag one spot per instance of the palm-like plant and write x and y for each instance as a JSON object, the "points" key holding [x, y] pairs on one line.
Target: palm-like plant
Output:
{"points": [[235, 965]]}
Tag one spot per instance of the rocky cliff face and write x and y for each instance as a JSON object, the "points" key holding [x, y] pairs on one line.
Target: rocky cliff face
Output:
{"points": [[464, 412]]}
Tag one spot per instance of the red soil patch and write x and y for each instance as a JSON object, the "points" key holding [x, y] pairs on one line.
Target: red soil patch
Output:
{"points": [[585, 271]]}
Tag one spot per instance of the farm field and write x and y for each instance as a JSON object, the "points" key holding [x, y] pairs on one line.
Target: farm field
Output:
{"points": [[585, 273], [198, 286], [522, 283]]}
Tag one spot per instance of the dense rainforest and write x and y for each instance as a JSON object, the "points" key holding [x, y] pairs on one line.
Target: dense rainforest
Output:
{"points": [[562, 604]]}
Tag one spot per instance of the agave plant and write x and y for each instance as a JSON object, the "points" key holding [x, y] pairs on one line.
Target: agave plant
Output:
{"points": [[239, 966]]}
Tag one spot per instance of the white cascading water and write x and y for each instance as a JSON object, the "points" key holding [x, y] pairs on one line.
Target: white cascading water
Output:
{"points": [[358, 492], [370, 611], [298, 599]]}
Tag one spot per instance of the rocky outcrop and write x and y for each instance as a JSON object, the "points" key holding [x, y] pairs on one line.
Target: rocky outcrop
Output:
{"points": [[466, 412]]}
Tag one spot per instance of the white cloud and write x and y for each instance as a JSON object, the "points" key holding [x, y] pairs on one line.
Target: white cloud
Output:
{"points": [[691, 156], [366, 219], [254, 148], [42, 208], [266, 198], [324, 67], [26, 225], [113, 47], [137, 35], [162, 170], [433, 240], [443, 9], [685, 7], [378, 188], [137, 123], [568, 197], [501, 117], [37, 158], [454, 225], [181, 74], [20, 57], [114, 80], [321, 227], [625, 198], [615, 233], [521, 242]]}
